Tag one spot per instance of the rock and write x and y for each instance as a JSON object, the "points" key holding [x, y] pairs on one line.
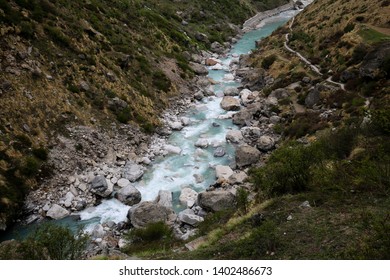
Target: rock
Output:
{"points": [[251, 132], [201, 37], [56, 212], [219, 152], [289, 218], [128, 195], [80, 205], [185, 121], [176, 125], [132, 171], [100, 186], [188, 216], [280, 93], [98, 231], [199, 95], [216, 200], [196, 243], [215, 124], [274, 119], [217, 48], [313, 97], [164, 198], [202, 143], [247, 97], [68, 199], [199, 69], [116, 104], [217, 67], [237, 178], [84, 86], [170, 149], [230, 103], [211, 62], [247, 155], [230, 91], [150, 212], [305, 204], [223, 172], [234, 136], [243, 117], [198, 178], [122, 182], [271, 101], [346, 75], [188, 197], [265, 143], [146, 160], [306, 80]]}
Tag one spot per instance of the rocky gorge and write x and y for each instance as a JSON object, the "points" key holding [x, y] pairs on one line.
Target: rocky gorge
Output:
{"points": [[95, 166]]}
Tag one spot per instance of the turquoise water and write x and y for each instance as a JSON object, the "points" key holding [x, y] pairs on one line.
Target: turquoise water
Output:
{"points": [[177, 171]]}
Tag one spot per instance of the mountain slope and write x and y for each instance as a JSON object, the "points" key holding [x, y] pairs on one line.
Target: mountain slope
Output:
{"points": [[94, 63]]}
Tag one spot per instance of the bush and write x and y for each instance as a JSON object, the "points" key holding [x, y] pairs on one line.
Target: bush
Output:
{"points": [[152, 232], [381, 121], [268, 61], [287, 171], [30, 166], [242, 200], [48, 242]]}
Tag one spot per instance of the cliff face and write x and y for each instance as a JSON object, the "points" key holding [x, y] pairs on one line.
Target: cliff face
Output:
{"points": [[95, 63]]}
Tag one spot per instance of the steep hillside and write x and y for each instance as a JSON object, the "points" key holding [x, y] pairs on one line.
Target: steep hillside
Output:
{"points": [[324, 192], [95, 63]]}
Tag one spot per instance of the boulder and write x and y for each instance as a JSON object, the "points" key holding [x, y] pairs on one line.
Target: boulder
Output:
{"points": [[234, 136], [164, 198], [188, 197], [101, 187], [128, 195], [265, 143], [132, 171], [150, 212], [199, 69], [202, 143], [219, 152], [230, 103], [243, 117], [198, 178], [313, 97], [251, 132], [189, 217], [211, 62], [217, 48], [170, 149], [247, 155], [247, 97], [223, 172], [56, 212], [122, 182], [199, 95], [216, 200], [176, 125], [237, 178], [230, 91], [280, 93]]}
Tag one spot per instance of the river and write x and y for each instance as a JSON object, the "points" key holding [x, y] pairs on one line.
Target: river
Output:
{"points": [[177, 171]]}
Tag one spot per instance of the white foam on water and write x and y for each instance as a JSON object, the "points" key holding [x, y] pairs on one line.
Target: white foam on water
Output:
{"points": [[107, 210]]}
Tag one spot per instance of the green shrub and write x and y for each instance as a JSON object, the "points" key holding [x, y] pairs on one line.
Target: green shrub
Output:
{"points": [[124, 116], [51, 242], [242, 200], [287, 171], [152, 232], [381, 121], [30, 166], [41, 153], [268, 61]]}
